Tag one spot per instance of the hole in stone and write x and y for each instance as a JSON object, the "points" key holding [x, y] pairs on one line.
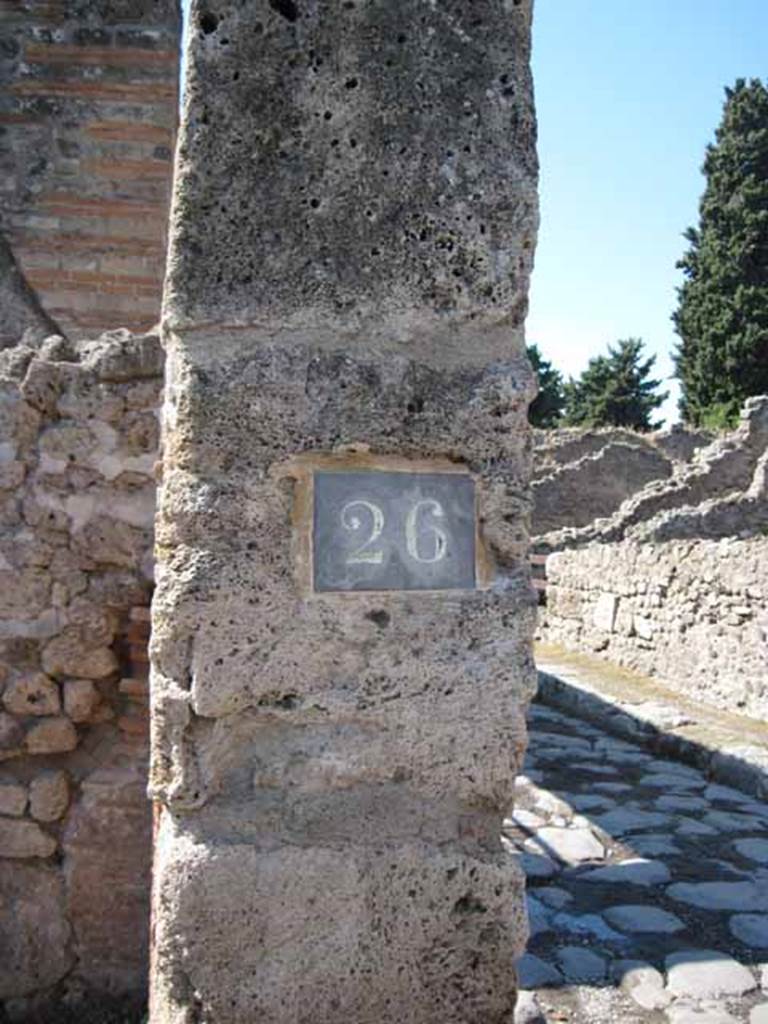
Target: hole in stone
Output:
{"points": [[208, 22], [314, 203], [351, 83], [287, 8], [379, 617]]}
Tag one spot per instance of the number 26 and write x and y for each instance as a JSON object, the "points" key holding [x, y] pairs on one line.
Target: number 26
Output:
{"points": [[424, 542]]}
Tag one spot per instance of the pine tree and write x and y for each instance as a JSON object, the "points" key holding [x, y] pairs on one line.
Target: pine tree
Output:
{"points": [[615, 390], [722, 316], [547, 408]]}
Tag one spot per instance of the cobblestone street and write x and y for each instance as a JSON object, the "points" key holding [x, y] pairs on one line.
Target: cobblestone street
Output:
{"points": [[647, 885]]}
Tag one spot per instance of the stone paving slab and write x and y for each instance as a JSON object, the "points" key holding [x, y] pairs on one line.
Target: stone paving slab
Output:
{"points": [[661, 917], [730, 749]]}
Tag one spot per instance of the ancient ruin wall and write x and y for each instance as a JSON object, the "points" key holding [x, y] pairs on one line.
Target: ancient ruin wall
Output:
{"points": [[722, 480], [88, 112], [78, 444], [692, 613]]}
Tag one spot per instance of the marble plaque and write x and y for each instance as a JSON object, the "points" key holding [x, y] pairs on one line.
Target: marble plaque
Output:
{"points": [[378, 530]]}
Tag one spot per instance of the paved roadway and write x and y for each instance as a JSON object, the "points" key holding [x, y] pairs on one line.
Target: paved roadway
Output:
{"points": [[647, 885]]}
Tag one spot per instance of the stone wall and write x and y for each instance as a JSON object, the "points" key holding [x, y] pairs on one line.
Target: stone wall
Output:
{"points": [[88, 111], [693, 613], [580, 476], [78, 444], [719, 492]]}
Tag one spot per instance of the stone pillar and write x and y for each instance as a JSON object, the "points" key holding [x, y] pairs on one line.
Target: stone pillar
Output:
{"points": [[342, 626]]}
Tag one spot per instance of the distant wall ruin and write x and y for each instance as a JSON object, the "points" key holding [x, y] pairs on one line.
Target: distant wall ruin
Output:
{"points": [[672, 584]]}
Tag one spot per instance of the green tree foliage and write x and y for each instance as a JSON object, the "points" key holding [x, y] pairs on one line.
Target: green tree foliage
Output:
{"points": [[722, 315], [615, 390], [547, 408]]}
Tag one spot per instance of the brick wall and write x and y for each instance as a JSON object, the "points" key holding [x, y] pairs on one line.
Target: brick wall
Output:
{"points": [[88, 111]]}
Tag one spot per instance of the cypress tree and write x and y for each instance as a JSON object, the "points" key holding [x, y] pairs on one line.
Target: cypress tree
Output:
{"points": [[722, 315]]}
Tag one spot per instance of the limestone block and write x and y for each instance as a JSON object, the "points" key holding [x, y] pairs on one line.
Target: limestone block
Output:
{"points": [[81, 698], [22, 838], [120, 356], [49, 796], [24, 594], [105, 539], [13, 796], [66, 444], [470, 927], [51, 736], [604, 612], [35, 694], [34, 931], [65, 655]]}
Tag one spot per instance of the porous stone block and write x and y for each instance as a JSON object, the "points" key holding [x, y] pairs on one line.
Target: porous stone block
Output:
{"points": [[51, 736], [49, 796], [34, 932], [348, 272], [32, 695], [22, 838], [290, 964], [66, 655], [81, 697]]}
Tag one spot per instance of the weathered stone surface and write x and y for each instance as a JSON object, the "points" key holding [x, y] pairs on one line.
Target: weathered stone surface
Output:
{"points": [[706, 973], [34, 932], [533, 972], [51, 736], [32, 695], [309, 886], [49, 796], [641, 918], [570, 845], [688, 612], [751, 929], [642, 983], [22, 838], [634, 871], [694, 1012], [13, 796], [581, 966], [109, 829], [65, 655], [81, 698], [327, 774], [720, 895], [754, 849], [77, 451]]}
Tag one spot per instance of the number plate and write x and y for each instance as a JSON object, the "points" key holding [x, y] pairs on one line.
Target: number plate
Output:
{"points": [[393, 531]]}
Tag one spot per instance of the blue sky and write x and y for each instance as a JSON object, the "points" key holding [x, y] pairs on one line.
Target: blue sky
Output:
{"points": [[628, 94]]}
